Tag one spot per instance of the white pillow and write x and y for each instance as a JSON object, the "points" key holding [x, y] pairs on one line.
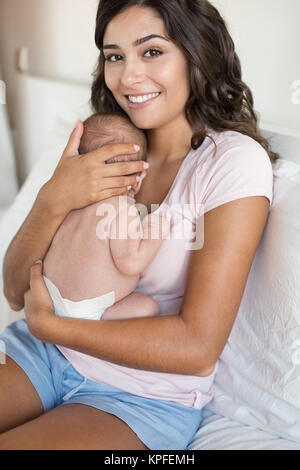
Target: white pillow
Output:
{"points": [[258, 379]]}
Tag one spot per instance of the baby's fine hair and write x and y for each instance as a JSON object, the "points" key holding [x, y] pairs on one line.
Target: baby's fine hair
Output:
{"points": [[112, 128]]}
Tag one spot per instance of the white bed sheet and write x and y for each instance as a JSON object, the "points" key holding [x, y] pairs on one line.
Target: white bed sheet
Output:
{"points": [[220, 433]]}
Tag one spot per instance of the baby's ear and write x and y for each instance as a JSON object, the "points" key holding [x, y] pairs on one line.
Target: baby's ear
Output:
{"points": [[137, 186], [143, 175]]}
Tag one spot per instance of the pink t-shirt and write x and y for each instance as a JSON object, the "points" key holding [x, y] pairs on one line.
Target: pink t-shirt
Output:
{"points": [[240, 168]]}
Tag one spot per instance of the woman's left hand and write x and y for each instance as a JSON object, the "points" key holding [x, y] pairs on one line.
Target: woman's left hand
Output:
{"points": [[38, 305]]}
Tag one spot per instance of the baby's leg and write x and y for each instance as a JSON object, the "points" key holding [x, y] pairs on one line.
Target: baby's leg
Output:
{"points": [[135, 305]]}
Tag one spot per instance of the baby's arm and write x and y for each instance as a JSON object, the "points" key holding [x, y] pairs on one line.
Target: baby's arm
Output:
{"points": [[142, 240]]}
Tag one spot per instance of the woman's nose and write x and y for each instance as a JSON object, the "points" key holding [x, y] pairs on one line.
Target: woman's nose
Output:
{"points": [[132, 73]]}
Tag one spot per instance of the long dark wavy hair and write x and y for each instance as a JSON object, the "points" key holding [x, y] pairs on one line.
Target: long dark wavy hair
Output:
{"points": [[219, 99]]}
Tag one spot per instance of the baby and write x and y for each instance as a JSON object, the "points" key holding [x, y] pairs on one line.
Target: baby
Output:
{"points": [[91, 269]]}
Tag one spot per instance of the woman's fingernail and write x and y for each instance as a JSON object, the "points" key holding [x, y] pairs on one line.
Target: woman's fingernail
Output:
{"points": [[146, 165], [137, 148], [38, 261], [77, 125]]}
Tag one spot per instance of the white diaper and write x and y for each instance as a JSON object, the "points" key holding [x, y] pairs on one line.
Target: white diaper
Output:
{"points": [[88, 309]]}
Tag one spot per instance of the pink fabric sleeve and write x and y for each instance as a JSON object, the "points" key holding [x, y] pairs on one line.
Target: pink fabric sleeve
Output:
{"points": [[240, 168]]}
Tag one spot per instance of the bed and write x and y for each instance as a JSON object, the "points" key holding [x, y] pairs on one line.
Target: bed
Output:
{"points": [[257, 388]]}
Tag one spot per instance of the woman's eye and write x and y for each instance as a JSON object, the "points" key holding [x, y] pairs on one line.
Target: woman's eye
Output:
{"points": [[108, 59], [156, 51]]}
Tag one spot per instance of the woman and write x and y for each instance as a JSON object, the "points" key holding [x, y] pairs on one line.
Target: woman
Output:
{"points": [[205, 149]]}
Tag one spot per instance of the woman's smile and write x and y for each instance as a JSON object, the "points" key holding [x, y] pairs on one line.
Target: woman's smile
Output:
{"points": [[141, 101]]}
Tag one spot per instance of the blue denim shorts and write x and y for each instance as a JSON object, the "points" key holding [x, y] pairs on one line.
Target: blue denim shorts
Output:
{"points": [[159, 424]]}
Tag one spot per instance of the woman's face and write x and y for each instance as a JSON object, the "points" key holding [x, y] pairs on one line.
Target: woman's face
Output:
{"points": [[154, 66]]}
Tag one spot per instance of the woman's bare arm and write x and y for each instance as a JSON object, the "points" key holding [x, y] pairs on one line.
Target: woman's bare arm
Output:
{"points": [[29, 244]]}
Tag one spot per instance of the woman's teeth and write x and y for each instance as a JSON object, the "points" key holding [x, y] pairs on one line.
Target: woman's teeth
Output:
{"points": [[142, 99]]}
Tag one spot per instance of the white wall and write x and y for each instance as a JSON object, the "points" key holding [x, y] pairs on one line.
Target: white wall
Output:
{"points": [[267, 38], [59, 35], [8, 179]]}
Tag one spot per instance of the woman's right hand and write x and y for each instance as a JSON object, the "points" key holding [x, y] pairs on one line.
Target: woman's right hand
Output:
{"points": [[81, 180]]}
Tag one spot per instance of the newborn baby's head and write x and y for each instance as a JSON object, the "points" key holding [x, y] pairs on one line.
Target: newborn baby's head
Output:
{"points": [[112, 128]]}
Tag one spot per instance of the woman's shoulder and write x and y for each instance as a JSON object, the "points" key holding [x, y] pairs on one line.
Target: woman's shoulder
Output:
{"points": [[229, 139], [229, 149], [240, 167]]}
